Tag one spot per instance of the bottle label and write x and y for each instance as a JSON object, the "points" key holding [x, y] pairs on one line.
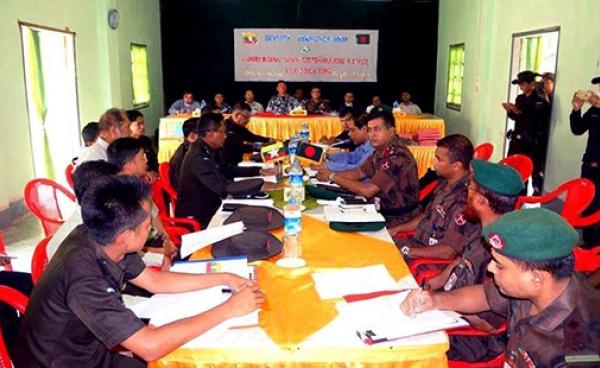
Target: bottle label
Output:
{"points": [[292, 223]]}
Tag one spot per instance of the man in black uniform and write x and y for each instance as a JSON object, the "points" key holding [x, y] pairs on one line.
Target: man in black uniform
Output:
{"points": [[590, 167], [206, 178], [240, 140], [531, 113]]}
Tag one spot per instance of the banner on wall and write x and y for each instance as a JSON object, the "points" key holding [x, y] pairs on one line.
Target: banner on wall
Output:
{"points": [[314, 55]]}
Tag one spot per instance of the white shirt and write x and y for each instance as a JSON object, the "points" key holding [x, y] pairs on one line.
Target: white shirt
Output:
{"points": [[96, 151], [411, 108], [63, 231]]}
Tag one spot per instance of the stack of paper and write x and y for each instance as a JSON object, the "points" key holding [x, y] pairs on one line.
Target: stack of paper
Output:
{"points": [[381, 319], [267, 179], [251, 164], [162, 309], [250, 202], [428, 136], [197, 240], [353, 213]]}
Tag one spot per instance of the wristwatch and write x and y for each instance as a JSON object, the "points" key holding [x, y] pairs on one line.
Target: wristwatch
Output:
{"points": [[405, 250], [331, 176]]}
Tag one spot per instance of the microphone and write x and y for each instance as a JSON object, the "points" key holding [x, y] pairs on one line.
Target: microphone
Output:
{"points": [[345, 141]]}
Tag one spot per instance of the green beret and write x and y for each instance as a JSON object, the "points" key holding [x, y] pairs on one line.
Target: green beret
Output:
{"points": [[535, 234], [356, 226], [498, 178], [320, 193]]}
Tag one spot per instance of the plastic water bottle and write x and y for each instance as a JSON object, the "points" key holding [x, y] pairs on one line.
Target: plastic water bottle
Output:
{"points": [[297, 182], [293, 146], [304, 132], [292, 226]]}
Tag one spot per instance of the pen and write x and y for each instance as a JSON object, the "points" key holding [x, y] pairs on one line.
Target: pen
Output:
{"points": [[227, 291], [418, 303]]}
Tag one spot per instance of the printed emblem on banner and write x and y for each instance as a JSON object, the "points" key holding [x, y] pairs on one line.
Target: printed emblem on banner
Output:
{"points": [[459, 219], [363, 39], [250, 38], [496, 240]]}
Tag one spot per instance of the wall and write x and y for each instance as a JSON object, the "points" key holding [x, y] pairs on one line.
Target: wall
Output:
{"points": [[198, 45], [486, 27], [103, 70]]}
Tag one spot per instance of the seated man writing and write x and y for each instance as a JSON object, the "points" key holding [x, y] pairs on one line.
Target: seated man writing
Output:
{"points": [[435, 237], [392, 172], [493, 191], [553, 315], [76, 317]]}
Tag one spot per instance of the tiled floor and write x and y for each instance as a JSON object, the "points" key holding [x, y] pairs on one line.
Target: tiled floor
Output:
{"points": [[20, 239]]}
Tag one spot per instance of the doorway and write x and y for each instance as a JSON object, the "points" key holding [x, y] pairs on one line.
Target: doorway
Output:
{"points": [[51, 93], [536, 51]]}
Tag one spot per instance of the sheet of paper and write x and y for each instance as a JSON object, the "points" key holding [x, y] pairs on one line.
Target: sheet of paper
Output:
{"points": [[200, 239], [250, 202], [339, 282], [315, 181], [153, 259], [267, 179], [188, 304], [235, 265], [353, 213], [251, 164], [385, 320]]}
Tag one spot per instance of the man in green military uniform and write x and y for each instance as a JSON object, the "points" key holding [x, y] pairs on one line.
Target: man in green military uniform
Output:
{"points": [[391, 169], [435, 237], [493, 192], [553, 315]]}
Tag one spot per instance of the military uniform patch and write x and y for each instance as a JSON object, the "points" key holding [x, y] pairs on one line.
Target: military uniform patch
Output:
{"points": [[496, 240], [459, 219]]}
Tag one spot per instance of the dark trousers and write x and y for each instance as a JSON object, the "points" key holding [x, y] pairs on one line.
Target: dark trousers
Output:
{"points": [[10, 320], [476, 348], [529, 148], [591, 234]]}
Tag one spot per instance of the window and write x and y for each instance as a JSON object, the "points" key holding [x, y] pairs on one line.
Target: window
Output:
{"points": [[139, 75], [455, 76]]}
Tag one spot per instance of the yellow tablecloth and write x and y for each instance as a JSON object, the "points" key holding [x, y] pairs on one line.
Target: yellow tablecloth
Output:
{"points": [[170, 134], [286, 290], [411, 123]]}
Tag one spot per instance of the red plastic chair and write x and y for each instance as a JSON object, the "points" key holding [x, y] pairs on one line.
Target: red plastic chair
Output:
{"points": [[521, 163], [18, 301], [43, 197], [587, 260], [69, 175], [163, 172], [422, 195], [579, 193], [484, 151], [175, 227], [8, 265], [39, 260]]}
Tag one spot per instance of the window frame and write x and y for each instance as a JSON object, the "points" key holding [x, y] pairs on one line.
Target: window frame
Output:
{"points": [[450, 76], [146, 103]]}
